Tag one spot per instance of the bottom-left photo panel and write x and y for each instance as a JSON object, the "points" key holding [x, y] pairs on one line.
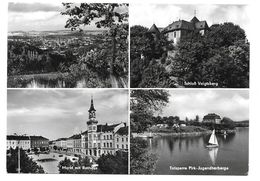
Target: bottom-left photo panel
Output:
{"points": [[67, 131]]}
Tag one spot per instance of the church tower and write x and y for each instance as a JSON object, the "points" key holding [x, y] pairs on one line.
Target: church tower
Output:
{"points": [[92, 130], [92, 122]]}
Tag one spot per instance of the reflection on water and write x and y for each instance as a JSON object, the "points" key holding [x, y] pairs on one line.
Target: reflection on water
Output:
{"points": [[191, 151]]}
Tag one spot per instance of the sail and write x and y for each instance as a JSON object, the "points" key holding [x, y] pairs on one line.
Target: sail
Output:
{"points": [[213, 155], [213, 139]]}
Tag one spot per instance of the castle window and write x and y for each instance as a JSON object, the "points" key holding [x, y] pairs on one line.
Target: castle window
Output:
{"points": [[111, 137], [104, 137], [123, 146], [117, 146], [122, 139], [104, 145], [174, 34], [110, 145]]}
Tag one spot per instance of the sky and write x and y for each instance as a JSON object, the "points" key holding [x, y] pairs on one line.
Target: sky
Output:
{"points": [[38, 17], [164, 14], [226, 103], [62, 113]]}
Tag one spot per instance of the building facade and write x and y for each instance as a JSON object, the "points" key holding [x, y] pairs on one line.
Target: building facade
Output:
{"points": [[179, 29], [212, 118], [15, 141], [39, 142], [103, 139]]}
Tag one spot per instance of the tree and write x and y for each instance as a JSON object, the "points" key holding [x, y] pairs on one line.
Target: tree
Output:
{"points": [[141, 161], [82, 166], [27, 164], [114, 164], [147, 53], [105, 15], [227, 123], [221, 56], [143, 104]]}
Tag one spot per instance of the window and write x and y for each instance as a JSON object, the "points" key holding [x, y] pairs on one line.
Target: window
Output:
{"points": [[110, 145], [107, 137], [104, 145], [126, 138], [122, 139], [174, 34], [123, 146], [104, 137], [94, 145], [111, 137], [126, 146], [117, 139], [117, 146], [99, 145]]}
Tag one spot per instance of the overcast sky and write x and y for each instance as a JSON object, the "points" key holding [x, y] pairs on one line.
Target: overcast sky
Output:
{"points": [[164, 14], [61, 113], [39, 17], [189, 103]]}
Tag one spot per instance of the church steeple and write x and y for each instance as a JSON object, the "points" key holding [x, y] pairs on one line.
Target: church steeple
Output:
{"points": [[91, 105], [92, 113]]}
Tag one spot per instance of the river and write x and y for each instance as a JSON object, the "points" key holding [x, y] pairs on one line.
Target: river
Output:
{"points": [[188, 155]]}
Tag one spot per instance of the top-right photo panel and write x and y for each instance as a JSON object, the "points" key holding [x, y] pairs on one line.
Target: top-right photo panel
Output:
{"points": [[189, 46]]}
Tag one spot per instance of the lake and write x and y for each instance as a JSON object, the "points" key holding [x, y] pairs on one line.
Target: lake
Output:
{"points": [[188, 155]]}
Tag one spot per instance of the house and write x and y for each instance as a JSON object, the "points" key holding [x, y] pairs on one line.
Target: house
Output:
{"points": [[212, 118], [39, 142], [161, 125], [14, 141], [177, 30]]}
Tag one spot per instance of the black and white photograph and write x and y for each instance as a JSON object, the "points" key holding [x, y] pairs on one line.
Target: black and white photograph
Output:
{"points": [[67, 45], [67, 131], [189, 132], [189, 46]]}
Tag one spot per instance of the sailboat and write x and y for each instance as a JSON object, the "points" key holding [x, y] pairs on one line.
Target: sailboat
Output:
{"points": [[213, 142]]}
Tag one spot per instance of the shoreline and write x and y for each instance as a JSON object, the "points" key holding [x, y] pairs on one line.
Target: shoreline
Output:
{"points": [[181, 134]]}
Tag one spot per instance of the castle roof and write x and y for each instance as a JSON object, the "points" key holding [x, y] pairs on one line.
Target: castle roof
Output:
{"points": [[154, 29], [185, 25], [194, 20], [180, 25], [201, 25]]}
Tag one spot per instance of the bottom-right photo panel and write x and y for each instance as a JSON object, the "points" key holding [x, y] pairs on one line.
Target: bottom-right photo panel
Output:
{"points": [[189, 132]]}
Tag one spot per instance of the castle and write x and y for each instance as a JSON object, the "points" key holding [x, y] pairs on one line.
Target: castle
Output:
{"points": [[179, 29]]}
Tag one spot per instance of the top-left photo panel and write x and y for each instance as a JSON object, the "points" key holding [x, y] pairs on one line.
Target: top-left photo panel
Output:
{"points": [[67, 45]]}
